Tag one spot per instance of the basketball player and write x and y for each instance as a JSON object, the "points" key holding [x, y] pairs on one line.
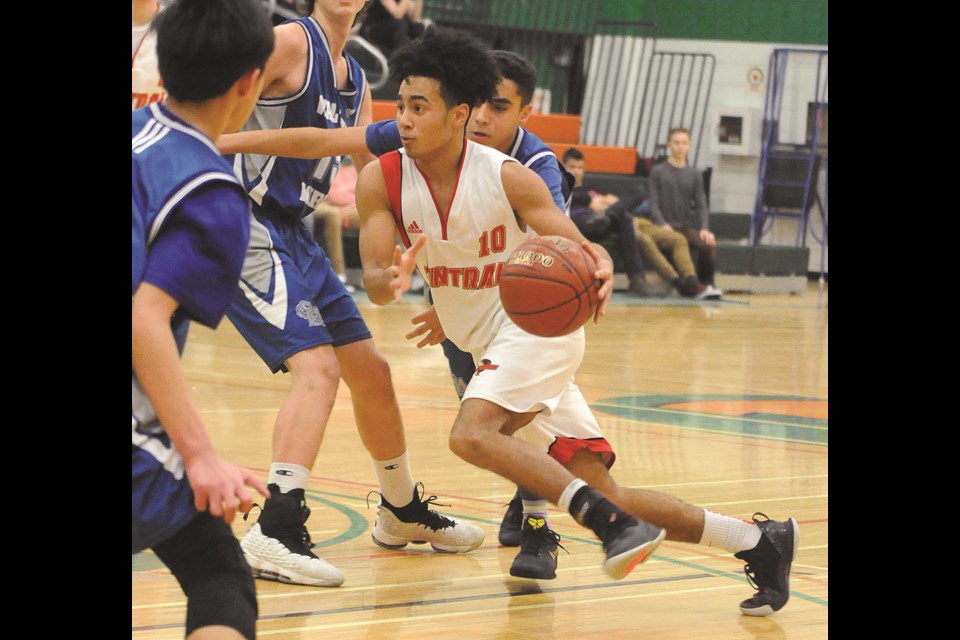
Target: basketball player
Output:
{"points": [[460, 207], [147, 86], [191, 226], [298, 316], [496, 123]]}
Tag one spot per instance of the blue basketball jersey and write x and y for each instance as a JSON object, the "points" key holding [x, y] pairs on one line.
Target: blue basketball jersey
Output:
{"points": [[191, 226], [293, 187], [534, 154]]}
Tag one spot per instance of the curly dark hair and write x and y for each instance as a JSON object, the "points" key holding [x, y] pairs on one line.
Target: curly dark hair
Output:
{"points": [[461, 63]]}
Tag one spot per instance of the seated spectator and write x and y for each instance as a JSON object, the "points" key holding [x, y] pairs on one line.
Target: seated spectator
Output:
{"points": [[668, 253], [338, 212], [678, 202], [390, 24], [597, 215]]}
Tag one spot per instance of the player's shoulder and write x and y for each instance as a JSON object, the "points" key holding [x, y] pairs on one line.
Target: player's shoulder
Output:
{"points": [[528, 146], [475, 149]]}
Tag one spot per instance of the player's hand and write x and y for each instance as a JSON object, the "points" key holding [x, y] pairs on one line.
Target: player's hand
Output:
{"points": [[604, 274], [708, 238], [429, 324], [221, 487], [404, 262]]}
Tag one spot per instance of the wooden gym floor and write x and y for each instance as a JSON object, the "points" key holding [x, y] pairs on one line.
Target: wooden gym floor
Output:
{"points": [[723, 404]]}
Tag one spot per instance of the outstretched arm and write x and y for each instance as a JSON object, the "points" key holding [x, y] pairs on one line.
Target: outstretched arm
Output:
{"points": [[387, 268], [315, 142]]}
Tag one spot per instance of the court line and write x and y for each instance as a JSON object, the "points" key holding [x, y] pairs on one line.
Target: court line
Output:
{"points": [[486, 597]]}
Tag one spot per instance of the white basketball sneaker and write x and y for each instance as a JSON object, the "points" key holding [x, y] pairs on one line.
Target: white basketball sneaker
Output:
{"points": [[278, 546], [417, 523]]}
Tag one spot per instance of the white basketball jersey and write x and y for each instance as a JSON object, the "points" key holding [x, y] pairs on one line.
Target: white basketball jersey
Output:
{"points": [[465, 253], [147, 86]]}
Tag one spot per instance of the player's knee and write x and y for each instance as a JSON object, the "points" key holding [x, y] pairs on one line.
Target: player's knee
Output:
{"points": [[370, 375], [226, 597], [469, 443], [206, 559], [316, 368]]}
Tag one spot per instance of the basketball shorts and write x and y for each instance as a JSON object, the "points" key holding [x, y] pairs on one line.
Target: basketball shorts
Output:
{"points": [[162, 500], [522, 372], [289, 298]]}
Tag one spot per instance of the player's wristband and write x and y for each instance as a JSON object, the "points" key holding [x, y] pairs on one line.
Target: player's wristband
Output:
{"points": [[383, 136]]}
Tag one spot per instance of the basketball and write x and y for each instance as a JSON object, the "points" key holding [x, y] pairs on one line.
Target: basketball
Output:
{"points": [[547, 286]]}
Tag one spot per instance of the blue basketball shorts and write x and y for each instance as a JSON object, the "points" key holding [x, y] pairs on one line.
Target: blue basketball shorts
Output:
{"points": [[289, 298]]}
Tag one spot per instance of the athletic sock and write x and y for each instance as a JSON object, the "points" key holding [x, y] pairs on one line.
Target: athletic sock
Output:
{"points": [[288, 476], [396, 480], [728, 533]]}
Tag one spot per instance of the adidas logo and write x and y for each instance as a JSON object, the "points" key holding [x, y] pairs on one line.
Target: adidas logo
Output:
{"points": [[413, 227]]}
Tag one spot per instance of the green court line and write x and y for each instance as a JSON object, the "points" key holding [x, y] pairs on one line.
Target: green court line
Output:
{"points": [[756, 425]]}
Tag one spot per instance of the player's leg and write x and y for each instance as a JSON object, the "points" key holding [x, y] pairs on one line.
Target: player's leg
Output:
{"points": [[285, 326], [331, 220], [403, 516], [206, 560], [502, 399], [767, 546], [461, 366]]}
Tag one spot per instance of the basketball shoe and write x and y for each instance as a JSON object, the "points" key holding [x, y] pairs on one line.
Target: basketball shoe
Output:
{"points": [[538, 553], [768, 565], [510, 527], [278, 546], [627, 543], [417, 523]]}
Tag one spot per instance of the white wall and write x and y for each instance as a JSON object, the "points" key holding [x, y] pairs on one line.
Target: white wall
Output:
{"points": [[741, 73], [735, 177]]}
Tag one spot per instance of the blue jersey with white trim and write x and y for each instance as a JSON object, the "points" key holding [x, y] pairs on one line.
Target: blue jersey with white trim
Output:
{"points": [[191, 227], [293, 187], [534, 154]]}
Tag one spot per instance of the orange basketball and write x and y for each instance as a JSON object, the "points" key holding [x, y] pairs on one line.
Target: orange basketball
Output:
{"points": [[547, 286]]}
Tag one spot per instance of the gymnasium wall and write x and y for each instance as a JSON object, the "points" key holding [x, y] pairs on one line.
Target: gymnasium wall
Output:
{"points": [[741, 35]]}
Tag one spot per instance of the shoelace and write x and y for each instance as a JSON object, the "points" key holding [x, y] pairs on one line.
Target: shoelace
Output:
{"points": [[304, 534], [429, 518], [539, 537], [247, 514], [304, 514], [421, 508], [759, 582], [751, 576]]}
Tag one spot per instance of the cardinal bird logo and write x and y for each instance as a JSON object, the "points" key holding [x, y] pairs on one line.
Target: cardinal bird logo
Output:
{"points": [[486, 365]]}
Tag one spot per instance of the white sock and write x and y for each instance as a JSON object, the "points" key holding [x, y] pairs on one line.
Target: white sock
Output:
{"points": [[288, 476], [537, 508], [569, 492], [728, 533], [396, 480]]}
